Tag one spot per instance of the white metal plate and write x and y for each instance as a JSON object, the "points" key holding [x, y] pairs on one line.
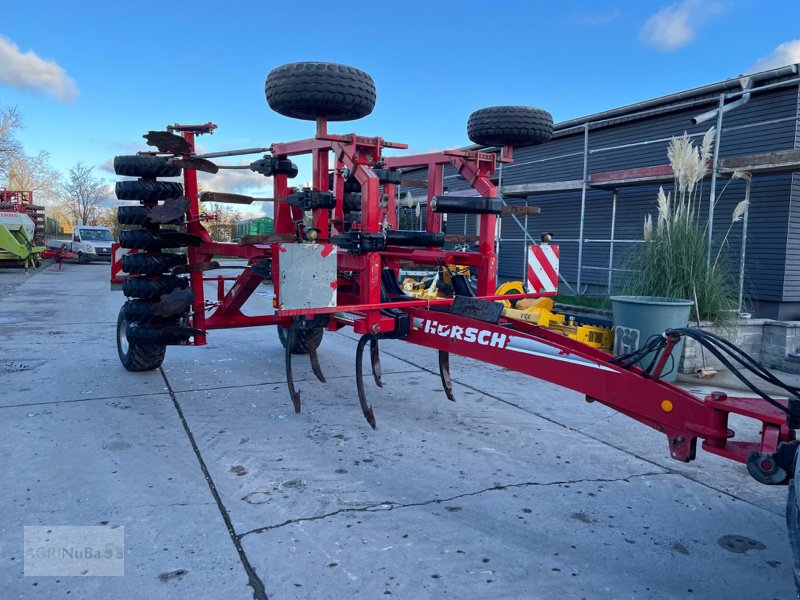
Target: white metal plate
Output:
{"points": [[307, 276]]}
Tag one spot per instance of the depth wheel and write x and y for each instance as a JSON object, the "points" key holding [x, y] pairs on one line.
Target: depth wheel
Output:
{"points": [[307, 90], [512, 125], [299, 346], [135, 356]]}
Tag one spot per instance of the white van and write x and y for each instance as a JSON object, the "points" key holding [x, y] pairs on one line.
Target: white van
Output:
{"points": [[92, 243]]}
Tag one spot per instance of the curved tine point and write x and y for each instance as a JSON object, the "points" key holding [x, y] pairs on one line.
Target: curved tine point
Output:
{"points": [[293, 393], [375, 359], [444, 373], [312, 355], [369, 415]]}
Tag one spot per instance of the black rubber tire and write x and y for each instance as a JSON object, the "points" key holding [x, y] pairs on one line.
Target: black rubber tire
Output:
{"points": [[300, 346], [307, 90], [151, 264], [351, 184], [148, 190], [144, 166], [146, 288], [141, 239], [143, 312], [136, 215], [154, 336], [514, 125], [137, 357]]}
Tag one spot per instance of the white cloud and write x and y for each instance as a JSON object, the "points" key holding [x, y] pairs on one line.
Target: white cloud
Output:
{"points": [[589, 18], [236, 181], [676, 25], [787, 53], [29, 72]]}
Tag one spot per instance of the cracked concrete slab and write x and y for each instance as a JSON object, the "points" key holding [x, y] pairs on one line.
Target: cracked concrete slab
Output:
{"points": [[562, 498], [122, 462], [271, 465], [574, 540]]}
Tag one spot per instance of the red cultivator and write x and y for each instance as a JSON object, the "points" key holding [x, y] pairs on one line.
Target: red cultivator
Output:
{"points": [[335, 255]]}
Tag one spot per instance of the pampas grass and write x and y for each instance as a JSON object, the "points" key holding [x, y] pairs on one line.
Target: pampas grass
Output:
{"points": [[674, 260]]}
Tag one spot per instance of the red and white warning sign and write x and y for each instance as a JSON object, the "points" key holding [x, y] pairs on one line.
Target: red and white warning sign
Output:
{"points": [[542, 276], [117, 252]]}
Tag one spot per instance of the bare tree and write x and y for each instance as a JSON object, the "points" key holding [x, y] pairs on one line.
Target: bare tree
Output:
{"points": [[32, 174], [10, 122], [81, 194]]}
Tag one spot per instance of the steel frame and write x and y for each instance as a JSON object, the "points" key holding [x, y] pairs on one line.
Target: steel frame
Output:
{"points": [[513, 345]]}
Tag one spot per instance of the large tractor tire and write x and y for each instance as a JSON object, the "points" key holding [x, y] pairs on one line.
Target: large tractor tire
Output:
{"points": [[146, 288], [300, 346], [142, 312], [137, 215], [307, 90], [141, 239], [510, 125], [136, 356], [151, 264], [144, 166], [148, 190]]}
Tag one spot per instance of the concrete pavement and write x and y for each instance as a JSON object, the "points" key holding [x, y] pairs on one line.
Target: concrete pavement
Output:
{"points": [[520, 489]]}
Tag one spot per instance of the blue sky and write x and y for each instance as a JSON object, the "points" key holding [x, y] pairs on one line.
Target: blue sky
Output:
{"points": [[103, 73]]}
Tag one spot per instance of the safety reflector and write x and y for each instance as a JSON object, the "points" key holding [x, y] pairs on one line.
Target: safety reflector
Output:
{"points": [[542, 276]]}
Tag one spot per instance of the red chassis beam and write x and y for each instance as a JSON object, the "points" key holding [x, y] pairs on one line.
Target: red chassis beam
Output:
{"points": [[549, 356]]}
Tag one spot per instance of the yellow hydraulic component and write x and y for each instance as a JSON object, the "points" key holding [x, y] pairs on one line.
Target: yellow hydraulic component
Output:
{"points": [[427, 287], [509, 287], [529, 303], [591, 335]]}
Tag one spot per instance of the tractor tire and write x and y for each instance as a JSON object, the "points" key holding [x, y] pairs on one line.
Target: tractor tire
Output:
{"points": [[351, 184], [133, 355], [151, 264], [144, 166], [299, 346], [512, 125], [155, 336], [146, 288], [141, 239], [148, 190], [307, 90], [143, 312], [137, 215]]}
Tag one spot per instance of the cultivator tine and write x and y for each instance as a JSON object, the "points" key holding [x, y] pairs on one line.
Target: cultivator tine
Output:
{"points": [[362, 398], [176, 302], [293, 393], [444, 372], [196, 268], [198, 164], [167, 142], [375, 359], [172, 210], [312, 354]]}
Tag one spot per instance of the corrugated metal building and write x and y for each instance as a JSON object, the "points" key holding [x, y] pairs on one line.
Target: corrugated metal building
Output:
{"points": [[637, 136]]}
